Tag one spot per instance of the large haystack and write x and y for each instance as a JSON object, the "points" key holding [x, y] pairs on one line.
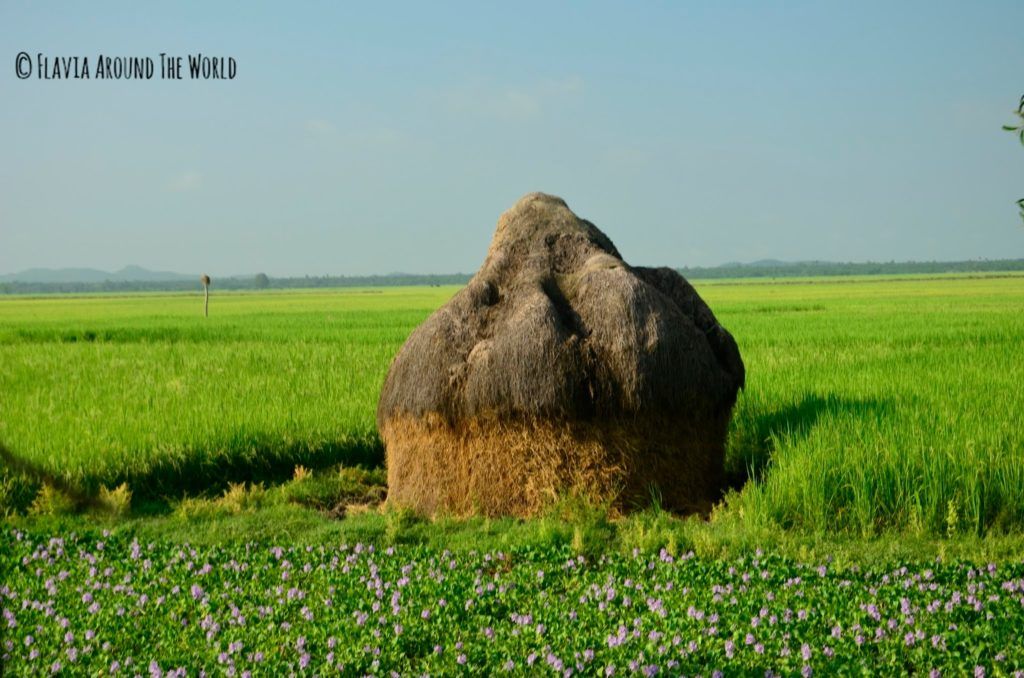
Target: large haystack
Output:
{"points": [[558, 370]]}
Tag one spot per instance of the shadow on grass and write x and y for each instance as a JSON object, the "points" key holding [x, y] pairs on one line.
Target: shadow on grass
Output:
{"points": [[265, 458], [199, 472], [18, 495], [753, 436]]}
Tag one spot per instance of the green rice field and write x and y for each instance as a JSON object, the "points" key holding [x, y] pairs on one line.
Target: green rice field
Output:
{"points": [[872, 405]]}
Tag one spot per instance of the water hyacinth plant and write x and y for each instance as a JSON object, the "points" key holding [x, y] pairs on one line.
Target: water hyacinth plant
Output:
{"points": [[108, 604]]}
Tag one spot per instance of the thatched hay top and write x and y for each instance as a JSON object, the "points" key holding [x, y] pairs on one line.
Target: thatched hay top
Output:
{"points": [[556, 325]]}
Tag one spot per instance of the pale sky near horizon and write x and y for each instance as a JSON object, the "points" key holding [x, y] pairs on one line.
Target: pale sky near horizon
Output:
{"points": [[371, 138]]}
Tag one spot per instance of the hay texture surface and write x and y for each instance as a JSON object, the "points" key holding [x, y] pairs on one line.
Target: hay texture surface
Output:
{"points": [[560, 370]]}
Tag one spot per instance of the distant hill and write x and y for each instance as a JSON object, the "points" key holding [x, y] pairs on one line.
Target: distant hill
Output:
{"points": [[182, 283], [92, 275]]}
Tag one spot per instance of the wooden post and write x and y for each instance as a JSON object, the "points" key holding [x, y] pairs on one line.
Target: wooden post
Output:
{"points": [[205, 279]]}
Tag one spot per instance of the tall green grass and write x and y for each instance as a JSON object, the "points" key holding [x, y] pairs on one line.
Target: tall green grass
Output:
{"points": [[880, 405], [871, 405], [143, 389]]}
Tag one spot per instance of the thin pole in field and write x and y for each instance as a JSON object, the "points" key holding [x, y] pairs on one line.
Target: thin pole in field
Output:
{"points": [[205, 279]]}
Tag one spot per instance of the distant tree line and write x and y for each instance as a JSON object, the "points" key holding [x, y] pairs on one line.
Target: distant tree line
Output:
{"points": [[756, 270], [259, 282], [826, 268]]}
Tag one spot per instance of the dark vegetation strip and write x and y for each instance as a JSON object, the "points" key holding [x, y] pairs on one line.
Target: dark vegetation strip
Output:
{"points": [[827, 268], [725, 271], [196, 472], [838, 280]]}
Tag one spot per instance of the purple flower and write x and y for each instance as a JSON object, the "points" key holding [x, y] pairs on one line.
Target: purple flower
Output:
{"points": [[304, 660], [461, 659]]}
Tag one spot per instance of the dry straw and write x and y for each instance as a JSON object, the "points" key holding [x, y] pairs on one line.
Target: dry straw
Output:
{"points": [[560, 369]]}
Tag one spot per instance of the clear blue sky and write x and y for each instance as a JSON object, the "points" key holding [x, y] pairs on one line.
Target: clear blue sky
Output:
{"points": [[369, 137]]}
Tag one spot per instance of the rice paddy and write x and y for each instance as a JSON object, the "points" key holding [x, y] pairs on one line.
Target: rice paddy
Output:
{"points": [[871, 404]]}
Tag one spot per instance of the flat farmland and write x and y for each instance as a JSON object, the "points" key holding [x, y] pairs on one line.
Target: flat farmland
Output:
{"points": [[871, 404]]}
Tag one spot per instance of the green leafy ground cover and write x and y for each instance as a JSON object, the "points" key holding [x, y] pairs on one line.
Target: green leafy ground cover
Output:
{"points": [[104, 604]]}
